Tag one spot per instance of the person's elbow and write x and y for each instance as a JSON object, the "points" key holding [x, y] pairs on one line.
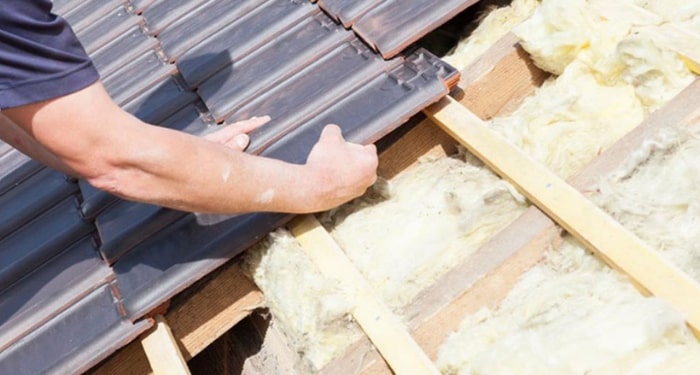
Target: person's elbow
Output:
{"points": [[103, 171]]}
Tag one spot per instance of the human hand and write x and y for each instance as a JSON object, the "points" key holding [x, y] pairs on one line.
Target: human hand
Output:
{"points": [[235, 135], [341, 170]]}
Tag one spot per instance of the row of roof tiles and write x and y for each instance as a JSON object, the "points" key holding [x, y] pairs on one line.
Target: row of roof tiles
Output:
{"points": [[79, 266]]}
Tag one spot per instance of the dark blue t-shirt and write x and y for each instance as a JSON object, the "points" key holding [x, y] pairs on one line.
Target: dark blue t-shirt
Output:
{"points": [[40, 56]]}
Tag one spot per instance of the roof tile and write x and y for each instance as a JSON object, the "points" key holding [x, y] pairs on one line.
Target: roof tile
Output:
{"points": [[34, 196], [40, 240], [50, 289], [74, 340]]}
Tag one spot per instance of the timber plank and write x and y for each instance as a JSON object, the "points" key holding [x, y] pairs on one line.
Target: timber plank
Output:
{"points": [[433, 329]]}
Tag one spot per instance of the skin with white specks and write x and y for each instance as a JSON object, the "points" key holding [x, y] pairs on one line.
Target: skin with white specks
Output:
{"points": [[266, 196]]}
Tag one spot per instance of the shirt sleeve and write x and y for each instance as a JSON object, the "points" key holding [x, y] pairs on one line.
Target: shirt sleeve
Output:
{"points": [[40, 56]]}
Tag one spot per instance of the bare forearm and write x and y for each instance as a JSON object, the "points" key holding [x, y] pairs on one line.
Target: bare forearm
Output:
{"points": [[89, 134], [16, 137], [192, 174]]}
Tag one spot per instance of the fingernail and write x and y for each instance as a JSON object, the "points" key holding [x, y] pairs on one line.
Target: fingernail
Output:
{"points": [[254, 118], [242, 141]]}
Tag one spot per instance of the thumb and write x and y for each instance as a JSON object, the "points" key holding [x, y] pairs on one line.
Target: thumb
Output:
{"points": [[242, 141], [331, 133]]}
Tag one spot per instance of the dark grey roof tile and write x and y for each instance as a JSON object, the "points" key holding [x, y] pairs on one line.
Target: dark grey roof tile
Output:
{"points": [[284, 58], [161, 13], [15, 167], [347, 11], [309, 92], [204, 21], [126, 224], [138, 76], [395, 24], [124, 48], [190, 119], [89, 12], [375, 109], [39, 240], [258, 73], [161, 100], [138, 6], [183, 253], [242, 37], [5, 148], [50, 289], [33, 197], [64, 6], [74, 340], [118, 21], [93, 200]]}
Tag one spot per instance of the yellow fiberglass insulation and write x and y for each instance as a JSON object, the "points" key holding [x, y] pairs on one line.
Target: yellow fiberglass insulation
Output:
{"points": [[495, 25], [656, 195], [572, 315], [571, 120], [609, 77], [401, 237], [310, 310]]}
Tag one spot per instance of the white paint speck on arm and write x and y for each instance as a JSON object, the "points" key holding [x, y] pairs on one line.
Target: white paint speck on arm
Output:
{"points": [[226, 173], [266, 196]]}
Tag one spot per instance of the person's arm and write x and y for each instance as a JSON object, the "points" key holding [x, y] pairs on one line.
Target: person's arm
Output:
{"points": [[16, 137], [86, 133]]}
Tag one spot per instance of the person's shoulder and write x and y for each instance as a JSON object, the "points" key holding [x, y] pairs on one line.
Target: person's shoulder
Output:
{"points": [[41, 58]]}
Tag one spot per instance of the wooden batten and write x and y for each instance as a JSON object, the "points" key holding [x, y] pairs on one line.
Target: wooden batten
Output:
{"points": [[499, 80]]}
